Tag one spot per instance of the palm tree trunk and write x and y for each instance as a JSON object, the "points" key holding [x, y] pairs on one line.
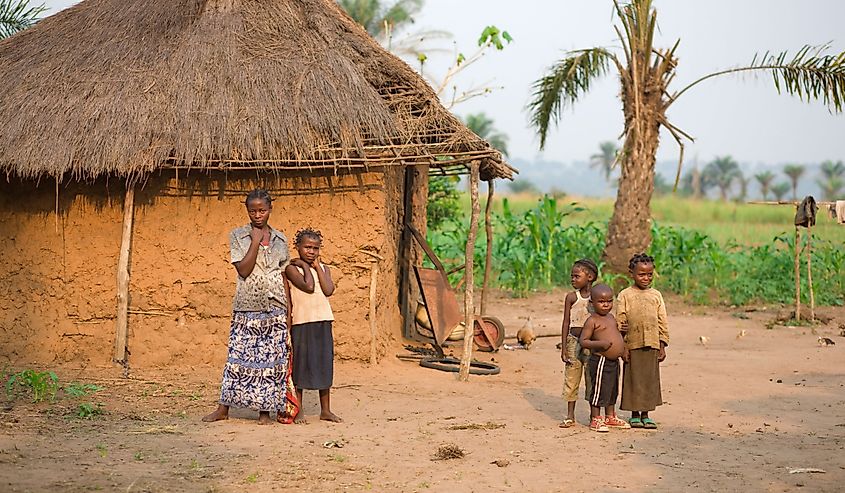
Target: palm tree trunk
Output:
{"points": [[629, 231]]}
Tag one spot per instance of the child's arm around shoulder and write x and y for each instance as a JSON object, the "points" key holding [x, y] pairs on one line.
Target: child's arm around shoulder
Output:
{"points": [[622, 311], [303, 280]]}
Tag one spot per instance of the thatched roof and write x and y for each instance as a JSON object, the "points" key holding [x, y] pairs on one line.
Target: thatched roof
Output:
{"points": [[124, 87]]}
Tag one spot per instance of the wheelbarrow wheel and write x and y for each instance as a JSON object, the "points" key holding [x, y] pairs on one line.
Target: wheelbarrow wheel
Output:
{"points": [[495, 328], [453, 365]]}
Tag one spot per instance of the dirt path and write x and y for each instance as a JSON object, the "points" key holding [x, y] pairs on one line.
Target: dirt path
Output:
{"points": [[740, 414]]}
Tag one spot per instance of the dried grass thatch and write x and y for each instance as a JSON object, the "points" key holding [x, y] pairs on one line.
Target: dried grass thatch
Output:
{"points": [[124, 87]]}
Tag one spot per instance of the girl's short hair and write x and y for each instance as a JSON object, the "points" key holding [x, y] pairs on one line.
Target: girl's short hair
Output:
{"points": [[589, 265], [640, 258], [259, 194], [307, 233]]}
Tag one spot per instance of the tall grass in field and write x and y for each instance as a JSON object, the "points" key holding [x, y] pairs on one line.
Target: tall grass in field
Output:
{"points": [[535, 247]]}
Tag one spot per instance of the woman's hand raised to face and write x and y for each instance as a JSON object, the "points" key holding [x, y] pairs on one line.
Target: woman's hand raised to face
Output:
{"points": [[256, 235]]}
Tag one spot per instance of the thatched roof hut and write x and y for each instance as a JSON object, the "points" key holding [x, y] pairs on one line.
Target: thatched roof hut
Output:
{"points": [[128, 87], [162, 113]]}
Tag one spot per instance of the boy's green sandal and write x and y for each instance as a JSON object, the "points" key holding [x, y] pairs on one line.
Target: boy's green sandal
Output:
{"points": [[649, 424], [635, 423]]}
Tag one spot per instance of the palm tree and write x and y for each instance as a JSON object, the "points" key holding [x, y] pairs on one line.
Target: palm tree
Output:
{"points": [[794, 172], [483, 127], [765, 179], [17, 15], [645, 74], [722, 172], [381, 18], [780, 190], [833, 179], [605, 159]]}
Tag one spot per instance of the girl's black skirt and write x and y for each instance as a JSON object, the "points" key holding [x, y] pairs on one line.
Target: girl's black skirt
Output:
{"points": [[313, 355]]}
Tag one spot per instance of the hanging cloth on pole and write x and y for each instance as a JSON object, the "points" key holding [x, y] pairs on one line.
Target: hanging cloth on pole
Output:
{"points": [[806, 213]]}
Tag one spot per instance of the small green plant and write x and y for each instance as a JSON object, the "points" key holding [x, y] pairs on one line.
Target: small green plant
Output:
{"points": [[139, 455], [194, 465], [102, 449], [41, 384], [252, 478], [338, 458], [77, 389], [89, 410]]}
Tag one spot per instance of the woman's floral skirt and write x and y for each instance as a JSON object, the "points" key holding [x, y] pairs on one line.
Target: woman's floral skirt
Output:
{"points": [[256, 372]]}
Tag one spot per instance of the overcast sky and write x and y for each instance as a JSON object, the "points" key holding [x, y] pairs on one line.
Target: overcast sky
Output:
{"points": [[741, 116]]}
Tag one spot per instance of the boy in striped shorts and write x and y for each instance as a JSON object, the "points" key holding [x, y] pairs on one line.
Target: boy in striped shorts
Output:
{"points": [[602, 337]]}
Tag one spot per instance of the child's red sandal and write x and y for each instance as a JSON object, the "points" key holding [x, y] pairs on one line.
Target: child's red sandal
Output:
{"points": [[597, 424], [616, 422]]}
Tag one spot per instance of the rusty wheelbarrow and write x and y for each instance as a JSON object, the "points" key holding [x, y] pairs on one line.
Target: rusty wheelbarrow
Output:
{"points": [[441, 311]]}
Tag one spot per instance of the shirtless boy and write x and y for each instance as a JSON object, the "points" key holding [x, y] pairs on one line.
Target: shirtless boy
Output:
{"points": [[603, 339]]}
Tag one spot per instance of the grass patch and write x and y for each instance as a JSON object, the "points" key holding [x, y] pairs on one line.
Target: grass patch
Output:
{"points": [[39, 384]]}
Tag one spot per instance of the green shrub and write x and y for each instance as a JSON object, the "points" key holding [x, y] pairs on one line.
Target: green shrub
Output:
{"points": [[535, 249]]}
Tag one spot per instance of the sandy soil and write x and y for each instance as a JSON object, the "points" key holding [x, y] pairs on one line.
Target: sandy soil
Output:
{"points": [[740, 414]]}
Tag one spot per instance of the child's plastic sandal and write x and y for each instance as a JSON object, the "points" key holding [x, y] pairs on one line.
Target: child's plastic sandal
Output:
{"points": [[635, 423], [649, 424]]}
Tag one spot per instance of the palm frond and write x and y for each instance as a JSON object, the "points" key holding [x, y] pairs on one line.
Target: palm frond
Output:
{"points": [[811, 74], [17, 15], [565, 82]]}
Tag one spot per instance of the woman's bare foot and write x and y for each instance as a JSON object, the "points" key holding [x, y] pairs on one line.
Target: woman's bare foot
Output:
{"points": [[300, 419], [264, 418], [219, 414], [330, 416]]}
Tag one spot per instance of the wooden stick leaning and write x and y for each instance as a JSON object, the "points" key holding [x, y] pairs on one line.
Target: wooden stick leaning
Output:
{"points": [[797, 275], [122, 318], [372, 314], [488, 229], [469, 315], [810, 273]]}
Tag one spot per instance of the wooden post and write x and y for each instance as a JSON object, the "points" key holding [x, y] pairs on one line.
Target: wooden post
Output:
{"points": [[797, 275], [469, 315], [488, 229], [810, 273], [373, 282], [122, 319]]}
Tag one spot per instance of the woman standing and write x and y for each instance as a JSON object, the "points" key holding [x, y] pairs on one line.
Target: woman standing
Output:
{"points": [[256, 371]]}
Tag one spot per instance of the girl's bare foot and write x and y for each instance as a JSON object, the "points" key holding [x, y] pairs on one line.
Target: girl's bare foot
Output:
{"points": [[219, 414], [330, 416], [264, 418]]}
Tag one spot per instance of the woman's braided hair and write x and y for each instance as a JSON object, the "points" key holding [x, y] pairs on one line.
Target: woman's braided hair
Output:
{"points": [[588, 265], [640, 258], [259, 194], [307, 233]]}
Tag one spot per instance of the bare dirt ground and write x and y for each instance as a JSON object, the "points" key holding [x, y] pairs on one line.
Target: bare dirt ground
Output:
{"points": [[740, 414]]}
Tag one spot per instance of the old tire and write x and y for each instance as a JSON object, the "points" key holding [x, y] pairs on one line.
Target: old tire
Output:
{"points": [[453, 365], [495, 325]]}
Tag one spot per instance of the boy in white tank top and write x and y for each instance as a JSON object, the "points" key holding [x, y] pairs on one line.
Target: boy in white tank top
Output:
{"points": [[575, 312]]}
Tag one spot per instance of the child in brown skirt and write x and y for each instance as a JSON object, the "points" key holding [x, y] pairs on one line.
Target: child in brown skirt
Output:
{"points": [[311, 332], [641, 314]]}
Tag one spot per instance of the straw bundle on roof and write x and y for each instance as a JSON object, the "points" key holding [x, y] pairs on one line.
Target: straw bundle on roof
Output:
{"points": [[129, 86]]}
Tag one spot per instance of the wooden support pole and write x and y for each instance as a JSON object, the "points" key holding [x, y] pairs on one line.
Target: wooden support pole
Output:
{"points": [[121, 323], [797, 275], [372, 315], [488, 258], [810, 273], [469, 315]]}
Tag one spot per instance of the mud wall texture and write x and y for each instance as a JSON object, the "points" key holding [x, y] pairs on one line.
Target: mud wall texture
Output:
{"points": [[58, 275]]}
